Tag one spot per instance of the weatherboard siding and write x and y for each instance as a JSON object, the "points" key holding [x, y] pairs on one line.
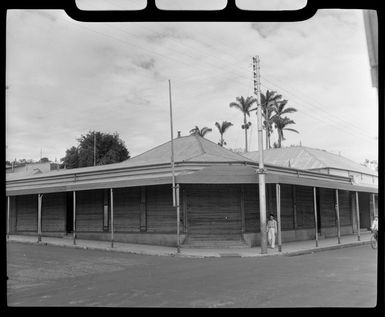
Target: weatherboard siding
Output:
{"points": [[26, 213], [214, 210], [89, 211], [304, 207], [364, 204], [327, 207], [287, 208], [127, 209], [161, 215], [53, 212], [345, 207], [251, 208]]}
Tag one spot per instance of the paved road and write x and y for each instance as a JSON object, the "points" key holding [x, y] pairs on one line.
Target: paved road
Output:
{"points": [[56, 276]]}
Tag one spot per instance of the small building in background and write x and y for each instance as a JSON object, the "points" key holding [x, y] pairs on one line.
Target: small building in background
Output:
{"points": [[32, 168]]}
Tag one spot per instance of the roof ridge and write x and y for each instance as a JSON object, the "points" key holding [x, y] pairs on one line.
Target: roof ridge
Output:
{"points": [[158, 146], [313, 156], [200, 143]]}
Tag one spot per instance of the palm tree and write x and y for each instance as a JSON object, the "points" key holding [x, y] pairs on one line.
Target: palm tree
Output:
{"points": [[201, 132], [244, 106], [268, 103], [281, 125], [222, 129], [280, 110]]}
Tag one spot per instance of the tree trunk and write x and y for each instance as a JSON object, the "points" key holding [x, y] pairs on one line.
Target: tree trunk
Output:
{"points": [[244, 122]]}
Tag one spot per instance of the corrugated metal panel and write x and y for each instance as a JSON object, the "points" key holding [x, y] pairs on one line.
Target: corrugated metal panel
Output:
{"points": [[305, 158], [53, 212], [185, 149], [26, 213], [89, 211], [214, 210], [127, 209]]}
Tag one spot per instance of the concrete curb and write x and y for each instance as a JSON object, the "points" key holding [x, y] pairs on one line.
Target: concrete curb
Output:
{"points": [[332, 247], [216, 254]]}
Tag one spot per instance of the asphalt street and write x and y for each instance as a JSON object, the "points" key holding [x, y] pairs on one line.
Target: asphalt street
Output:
{"points": [[41, 275]]}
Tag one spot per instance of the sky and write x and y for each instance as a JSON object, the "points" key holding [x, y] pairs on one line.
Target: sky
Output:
{"points": [[65, 78]]}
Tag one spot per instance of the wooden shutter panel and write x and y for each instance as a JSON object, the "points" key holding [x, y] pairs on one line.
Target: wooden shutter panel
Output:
{"points": [[53, 214], [327, 207], [89, 210], [161, 215], [127, 209], [26, 213]]}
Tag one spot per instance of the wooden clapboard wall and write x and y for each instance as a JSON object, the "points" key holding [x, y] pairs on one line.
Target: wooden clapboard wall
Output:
{"points": [[304, 206], [287, 207], [251, 194], [53, 212], [214, 209], [127, 209], [271, 200], [26, 213], [327, 207], [345, 207], [161, 215], [364, 204], [89, 210]]}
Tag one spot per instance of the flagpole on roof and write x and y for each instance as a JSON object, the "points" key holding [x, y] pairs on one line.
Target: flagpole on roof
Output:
{"points": [[175, 190]]}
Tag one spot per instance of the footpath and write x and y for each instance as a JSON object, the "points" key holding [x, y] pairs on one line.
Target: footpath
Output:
{"points": [[287, 248]]}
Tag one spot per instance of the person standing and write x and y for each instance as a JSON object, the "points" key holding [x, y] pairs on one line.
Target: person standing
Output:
{"points": [[271, 231], [374, 227]]}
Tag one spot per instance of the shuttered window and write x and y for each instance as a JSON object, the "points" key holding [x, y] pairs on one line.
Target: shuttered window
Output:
{"points": [[161, 215], [127, 209], [287, 209], [251, 194], [89, 211], [304, 206], [26, 213], [327, 207], [214, 209], [345, 207], [53, 212]]}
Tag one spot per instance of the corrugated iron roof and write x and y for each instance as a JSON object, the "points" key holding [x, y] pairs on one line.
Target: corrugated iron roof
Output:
{"points": [[188, 148], [306, 158]]}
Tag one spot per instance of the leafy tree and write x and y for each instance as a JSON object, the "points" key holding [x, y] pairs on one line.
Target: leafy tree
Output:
{"points": [[201, 132], [371, 164], [109, 149], [222, 128], [44, 160], [281, 125], [244, 105]]}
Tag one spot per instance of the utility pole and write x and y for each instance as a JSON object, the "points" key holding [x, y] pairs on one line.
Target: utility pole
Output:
{"points": [[175, 189], [261, 169]]}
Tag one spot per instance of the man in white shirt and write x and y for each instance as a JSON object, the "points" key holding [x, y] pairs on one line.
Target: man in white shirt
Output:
{"points": [[271, 231]]}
